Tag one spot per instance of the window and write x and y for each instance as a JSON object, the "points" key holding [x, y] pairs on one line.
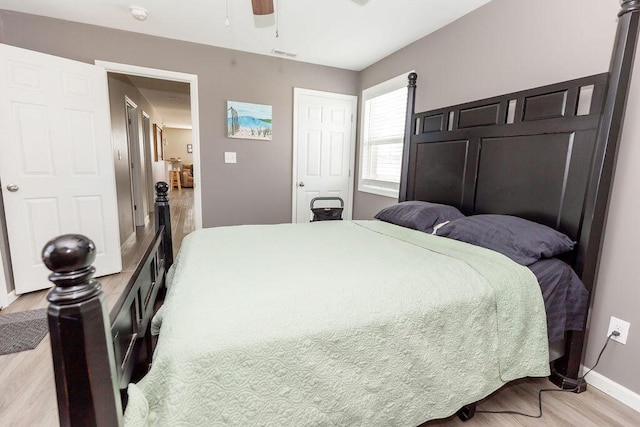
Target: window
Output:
{"points": [[384, 109]]}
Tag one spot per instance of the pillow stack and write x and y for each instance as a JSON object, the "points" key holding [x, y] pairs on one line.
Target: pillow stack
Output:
{"points": [[523, 241], [421, 216]]}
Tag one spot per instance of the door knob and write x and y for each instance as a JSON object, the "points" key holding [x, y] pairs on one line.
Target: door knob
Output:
{"points": [[13, 188], [301, 184]]}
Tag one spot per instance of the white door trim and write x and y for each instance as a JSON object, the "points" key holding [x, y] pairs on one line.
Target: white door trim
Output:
{"points": [[192, 79], [297, 92], [133, 145], [4, 294], [148, 173]]}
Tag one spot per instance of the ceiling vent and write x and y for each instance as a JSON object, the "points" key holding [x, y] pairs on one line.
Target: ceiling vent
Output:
{"points": [[283, 53]]}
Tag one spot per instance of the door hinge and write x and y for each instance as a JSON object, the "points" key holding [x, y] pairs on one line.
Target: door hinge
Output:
{"points": [[135, 207]]}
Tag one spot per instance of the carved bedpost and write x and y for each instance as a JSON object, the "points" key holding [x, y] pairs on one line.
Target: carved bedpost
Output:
{"points": [[84, 364], [600, 179], [409, 131], [163, 217]]}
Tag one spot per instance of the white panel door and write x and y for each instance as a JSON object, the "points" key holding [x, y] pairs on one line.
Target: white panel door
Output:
{"points": [[324, 148], [56, 162]]}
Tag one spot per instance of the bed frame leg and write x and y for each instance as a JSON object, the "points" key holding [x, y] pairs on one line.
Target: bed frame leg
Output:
{"points": [[84, 362], [567, 383], [163, 218], [565, 372], [467, 412]]}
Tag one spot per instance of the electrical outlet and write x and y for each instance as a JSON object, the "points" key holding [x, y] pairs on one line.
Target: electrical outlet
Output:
{"points": [[621, 326]]}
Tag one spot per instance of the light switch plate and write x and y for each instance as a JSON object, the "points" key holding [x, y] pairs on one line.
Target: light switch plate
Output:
{"points": [[230, 157]]}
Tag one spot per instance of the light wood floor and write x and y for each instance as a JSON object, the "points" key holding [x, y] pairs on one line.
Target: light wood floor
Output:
{"points": [[27, 390]]}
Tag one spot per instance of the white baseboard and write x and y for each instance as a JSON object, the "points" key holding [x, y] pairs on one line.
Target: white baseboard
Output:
{"points": [[129, 240], [615, 390]]}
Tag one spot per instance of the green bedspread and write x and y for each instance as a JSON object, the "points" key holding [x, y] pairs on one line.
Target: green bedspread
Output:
{"points": [[336, 323]]}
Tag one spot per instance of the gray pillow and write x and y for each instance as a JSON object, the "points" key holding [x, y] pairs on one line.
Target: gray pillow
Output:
{"points": [[422, 216], [523, 241]]}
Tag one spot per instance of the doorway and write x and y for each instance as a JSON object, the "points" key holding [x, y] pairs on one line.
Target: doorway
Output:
{"points": [[192, 81], [324, 141], [136, 165], [148, 172]]}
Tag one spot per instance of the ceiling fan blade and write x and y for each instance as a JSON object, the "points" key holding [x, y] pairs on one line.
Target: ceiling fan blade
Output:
{"points": [[262, 7]]}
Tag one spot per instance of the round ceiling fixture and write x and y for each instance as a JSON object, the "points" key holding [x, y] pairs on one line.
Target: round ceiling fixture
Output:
{"points": [[139, 13]]}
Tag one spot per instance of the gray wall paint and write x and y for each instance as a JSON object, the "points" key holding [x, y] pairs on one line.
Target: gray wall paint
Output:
{"points": [[501, 47], [119, 88], [618, 292], [510, 45], [258, 188], [177, 140]]}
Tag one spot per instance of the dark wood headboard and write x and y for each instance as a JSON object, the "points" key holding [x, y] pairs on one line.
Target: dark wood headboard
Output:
{"points": [[525, 153], [546, 154]]}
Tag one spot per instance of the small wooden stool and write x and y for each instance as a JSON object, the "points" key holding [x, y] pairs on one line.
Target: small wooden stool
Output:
{"points": [[174, 179]]}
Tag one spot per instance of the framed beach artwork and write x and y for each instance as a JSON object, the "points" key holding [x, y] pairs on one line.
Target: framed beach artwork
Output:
{"points": [[248, 121]]}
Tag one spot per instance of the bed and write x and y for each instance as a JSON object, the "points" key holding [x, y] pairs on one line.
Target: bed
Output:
{"points": [[545, 154], [365, 332]]}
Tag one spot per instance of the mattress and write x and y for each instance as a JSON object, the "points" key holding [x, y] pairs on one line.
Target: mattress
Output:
{"points": [[336, 323]]}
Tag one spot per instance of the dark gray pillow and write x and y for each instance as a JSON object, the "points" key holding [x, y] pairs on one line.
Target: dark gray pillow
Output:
{"points": [[523, 241], [421, 216]]}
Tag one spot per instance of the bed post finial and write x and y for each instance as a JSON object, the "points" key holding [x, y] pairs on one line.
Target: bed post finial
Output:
{"points": [[628, 6], [163, 218], [409, 131], [413, 77], [84, 365], [69, 257]]}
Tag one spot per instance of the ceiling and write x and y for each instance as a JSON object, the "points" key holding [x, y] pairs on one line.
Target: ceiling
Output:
{"points": [[349, 34], [170, 99]]}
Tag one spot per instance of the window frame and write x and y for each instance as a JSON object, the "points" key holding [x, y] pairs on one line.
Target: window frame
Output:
{"points": [[372, 92]]}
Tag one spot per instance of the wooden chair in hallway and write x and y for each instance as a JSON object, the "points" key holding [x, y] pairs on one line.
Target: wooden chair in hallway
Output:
{"points": [[174, 179]]}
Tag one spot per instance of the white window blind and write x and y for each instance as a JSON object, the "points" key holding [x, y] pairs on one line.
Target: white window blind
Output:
{"points": [[384, 115]]}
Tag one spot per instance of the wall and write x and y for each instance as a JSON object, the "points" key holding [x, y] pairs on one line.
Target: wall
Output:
{"points": [[502, 47], [119, 88], [177, 140], [230, 192], [510, 45], [618, 292]]}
